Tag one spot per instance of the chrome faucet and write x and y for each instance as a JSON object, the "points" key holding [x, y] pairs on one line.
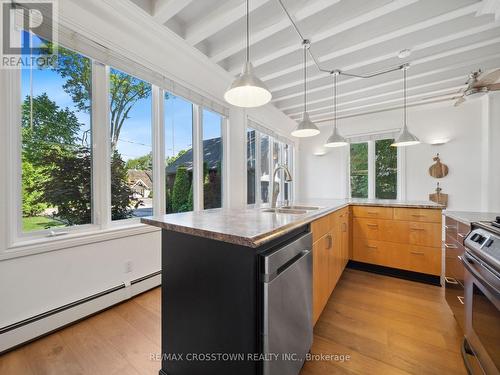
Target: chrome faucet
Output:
{"points": [[276, 187]]}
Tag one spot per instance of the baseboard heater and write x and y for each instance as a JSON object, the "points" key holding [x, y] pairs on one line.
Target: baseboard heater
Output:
{"points": [[32, 328]]}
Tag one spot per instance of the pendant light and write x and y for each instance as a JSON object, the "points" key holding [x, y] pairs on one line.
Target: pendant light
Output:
{"points": [[405, 138], [305, 128], [247, 90], [335, 139]]}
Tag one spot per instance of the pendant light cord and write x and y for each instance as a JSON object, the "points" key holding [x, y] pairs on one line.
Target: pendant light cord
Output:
{"points": [[404, 93], [305, 79], [335, 101], [248, 32]]}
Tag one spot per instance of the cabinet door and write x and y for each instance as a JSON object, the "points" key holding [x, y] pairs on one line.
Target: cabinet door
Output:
{"points": [[321, 249], [381, 230]]}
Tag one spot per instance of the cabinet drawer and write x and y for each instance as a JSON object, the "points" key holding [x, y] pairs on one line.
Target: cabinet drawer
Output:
{"points": [[425, 234], [424, 259], [462, 232], [370, 251], [382, 230], [320, 227], [372, 212], [418, 214], [450, 227]]}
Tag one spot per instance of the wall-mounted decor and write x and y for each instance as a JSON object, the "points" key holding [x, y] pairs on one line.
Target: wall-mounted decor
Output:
{"points": [[439, 197], [438, 169]]}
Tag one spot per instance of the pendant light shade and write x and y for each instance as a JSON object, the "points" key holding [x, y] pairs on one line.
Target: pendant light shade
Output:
{"points": [[247, 90], [305, 128], [405, 137], [335, 139]]}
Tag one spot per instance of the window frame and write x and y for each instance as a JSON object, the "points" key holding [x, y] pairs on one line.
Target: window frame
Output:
{"points": [[401, 172], [16, 243]]}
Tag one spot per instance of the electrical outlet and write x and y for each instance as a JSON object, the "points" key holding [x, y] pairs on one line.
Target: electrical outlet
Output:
{"points": [[128, 266]]}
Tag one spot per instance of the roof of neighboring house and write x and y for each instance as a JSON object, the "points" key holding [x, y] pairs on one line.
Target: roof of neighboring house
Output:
{"points": [[135, 176], [212, 155]]}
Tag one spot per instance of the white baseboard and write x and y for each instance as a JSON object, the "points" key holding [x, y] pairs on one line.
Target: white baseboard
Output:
{"points": [[39, 327]]}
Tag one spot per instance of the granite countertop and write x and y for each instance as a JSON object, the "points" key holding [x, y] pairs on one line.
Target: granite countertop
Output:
{"points": [[469, 217], [252, 227]]}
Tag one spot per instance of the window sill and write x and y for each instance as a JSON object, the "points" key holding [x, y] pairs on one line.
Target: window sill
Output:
{"points": [[45, 244]]}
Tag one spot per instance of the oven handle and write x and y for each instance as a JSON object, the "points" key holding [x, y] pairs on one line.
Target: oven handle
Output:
{"points": [[470, 264]]}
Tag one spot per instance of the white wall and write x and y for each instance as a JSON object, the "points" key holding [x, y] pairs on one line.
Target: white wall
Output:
{"points": [[36, 283], [464, 125]]}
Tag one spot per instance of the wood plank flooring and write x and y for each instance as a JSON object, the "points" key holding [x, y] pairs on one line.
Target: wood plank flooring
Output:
{"points": [[385, 325]]}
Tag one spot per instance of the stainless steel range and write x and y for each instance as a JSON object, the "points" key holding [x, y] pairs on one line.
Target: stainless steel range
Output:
{"points": [[481, 261]]}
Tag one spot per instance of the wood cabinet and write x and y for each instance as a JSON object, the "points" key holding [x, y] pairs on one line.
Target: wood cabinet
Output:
{"points": [[402, 238], [330, 255]]}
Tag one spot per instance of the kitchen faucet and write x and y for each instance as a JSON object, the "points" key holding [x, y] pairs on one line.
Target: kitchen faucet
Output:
{"points": [[276, 187]]}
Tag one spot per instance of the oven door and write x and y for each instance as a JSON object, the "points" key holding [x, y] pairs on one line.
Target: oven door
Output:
{"points": [[482, 313]]}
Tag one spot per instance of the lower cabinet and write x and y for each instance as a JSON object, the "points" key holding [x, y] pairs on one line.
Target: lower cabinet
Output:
{"points": [[330, 256], [403, 238]]}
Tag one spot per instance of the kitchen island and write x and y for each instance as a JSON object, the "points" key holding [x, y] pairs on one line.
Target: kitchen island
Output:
{"points": [[242, 288]]}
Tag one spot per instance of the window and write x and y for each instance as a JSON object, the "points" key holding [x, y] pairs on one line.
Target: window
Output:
{"points": [[264, 154], [374, 169], [179, 154], [386, 169], [212, 160], [359, 170], [56, 135], [131, 146], [251, 160]]}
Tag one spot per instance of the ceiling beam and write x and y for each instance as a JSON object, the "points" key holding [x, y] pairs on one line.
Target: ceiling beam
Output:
{"points": [[356, 21], [281, 23], [422, 60], [456, 80], [163, 10], [470, 9], [446, 91], [219, 19]]}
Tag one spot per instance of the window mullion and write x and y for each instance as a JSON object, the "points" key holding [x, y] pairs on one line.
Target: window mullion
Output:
{"points": [[158, 134], [197, 158], [225, 188], [371, 170], [101, 152], [401, 176], [258, 192]]}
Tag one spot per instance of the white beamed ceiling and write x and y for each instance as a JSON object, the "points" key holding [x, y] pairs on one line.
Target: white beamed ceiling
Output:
{"points": [[448, 40]]}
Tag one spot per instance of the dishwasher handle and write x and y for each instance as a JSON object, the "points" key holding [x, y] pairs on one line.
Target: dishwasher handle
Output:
{"points": [[280, 259]]}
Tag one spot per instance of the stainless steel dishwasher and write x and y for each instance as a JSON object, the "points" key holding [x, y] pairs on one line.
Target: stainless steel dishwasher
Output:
{"points": [[287, 321]]}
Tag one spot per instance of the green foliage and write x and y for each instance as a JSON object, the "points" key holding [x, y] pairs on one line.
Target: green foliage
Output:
{"points": [[168, 198], [143, 163], [212, 193], [32, 178], [359, 170], [69, 184], [386, 163], [181, 191], [121, 194], [172, 159], [51, 127]]}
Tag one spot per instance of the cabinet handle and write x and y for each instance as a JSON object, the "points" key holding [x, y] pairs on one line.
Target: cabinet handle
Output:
{"points": [[461, 235], [417, 228], [450, 246], [371, 246], [372, 225], [450, 280], [417, 253], [344, 227], [330, 241], [417, 215], [461, 299], [450, 226]]}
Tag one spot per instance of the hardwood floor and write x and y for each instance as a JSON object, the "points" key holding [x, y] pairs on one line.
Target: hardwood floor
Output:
{"points": [[385, 325]]}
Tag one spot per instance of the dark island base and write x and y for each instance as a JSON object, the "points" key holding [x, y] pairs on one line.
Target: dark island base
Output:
{"points": [[401, 274]]}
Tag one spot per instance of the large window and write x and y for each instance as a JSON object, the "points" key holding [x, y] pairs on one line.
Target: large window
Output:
{"points": [[56, 136], [264, 154], [179, 154], [373, 169], [131, 146], [212, 159]]}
